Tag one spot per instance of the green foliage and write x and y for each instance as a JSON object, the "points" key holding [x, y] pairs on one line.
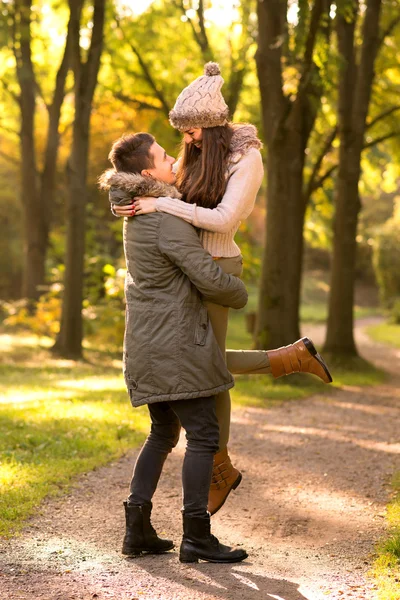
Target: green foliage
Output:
{"points": [[103, 308], [251, 252], [387, 259], [105, 319], [45, 321]]}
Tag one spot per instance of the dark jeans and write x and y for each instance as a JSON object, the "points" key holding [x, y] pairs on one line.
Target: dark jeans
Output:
{"points": [[199, 420]]}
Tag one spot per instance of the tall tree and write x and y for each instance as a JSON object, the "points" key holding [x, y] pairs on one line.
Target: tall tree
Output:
{"points": [[37, 187], [355, 86], [69, 340], [34, 210], [288, 119]]}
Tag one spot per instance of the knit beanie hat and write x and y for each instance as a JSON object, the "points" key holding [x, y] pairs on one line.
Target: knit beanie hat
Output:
{"points": [[201, 103]]}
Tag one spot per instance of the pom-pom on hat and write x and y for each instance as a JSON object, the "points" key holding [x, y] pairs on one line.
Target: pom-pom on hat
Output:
{"points": [[201, 103]]}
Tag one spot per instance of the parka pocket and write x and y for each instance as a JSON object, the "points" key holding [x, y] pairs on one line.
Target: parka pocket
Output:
{"points": [[201, 330], [131, 385]]}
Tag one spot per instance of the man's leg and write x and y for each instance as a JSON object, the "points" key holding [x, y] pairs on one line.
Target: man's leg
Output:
{"points": [[198, 418], [163, 437], [140, 535]]}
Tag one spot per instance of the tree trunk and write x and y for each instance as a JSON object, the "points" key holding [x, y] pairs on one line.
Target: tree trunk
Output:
{"points": [[278, 317], [48, 177], [34, 214], [287, 127], [69, 341], [37, 191], [354, 97]]}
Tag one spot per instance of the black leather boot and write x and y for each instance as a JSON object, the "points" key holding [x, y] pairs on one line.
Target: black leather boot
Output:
{"points": [[199, 543], [140, 535]]}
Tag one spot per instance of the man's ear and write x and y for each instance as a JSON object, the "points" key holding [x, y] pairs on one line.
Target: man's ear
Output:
{"points": [[145, 173]]}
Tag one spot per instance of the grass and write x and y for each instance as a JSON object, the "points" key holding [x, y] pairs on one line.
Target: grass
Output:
{"points": [[386, 568], [58, 419], [385, 333]]}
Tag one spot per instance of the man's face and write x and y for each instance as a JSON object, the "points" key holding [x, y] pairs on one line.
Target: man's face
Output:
{"points": [[162, 169], [193, 136]]}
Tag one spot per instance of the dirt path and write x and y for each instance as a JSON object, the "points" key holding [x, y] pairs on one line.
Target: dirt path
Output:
{"points": [[309, 510]]}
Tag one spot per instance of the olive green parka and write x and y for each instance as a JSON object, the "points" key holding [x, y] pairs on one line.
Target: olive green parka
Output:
{"points": [[170, 352]]}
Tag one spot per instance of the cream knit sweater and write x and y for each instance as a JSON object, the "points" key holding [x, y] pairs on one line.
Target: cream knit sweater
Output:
{"points": [[219, 225]]}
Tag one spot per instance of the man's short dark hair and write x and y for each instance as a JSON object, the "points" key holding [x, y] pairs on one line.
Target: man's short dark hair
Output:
{"points": [[131, 153]]}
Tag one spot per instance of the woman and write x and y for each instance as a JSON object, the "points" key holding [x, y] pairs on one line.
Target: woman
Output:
{"points": [[219, 174]]}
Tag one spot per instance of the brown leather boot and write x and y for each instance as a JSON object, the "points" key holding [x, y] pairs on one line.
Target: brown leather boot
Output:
{"points": [[301, 356], [225, 478]]}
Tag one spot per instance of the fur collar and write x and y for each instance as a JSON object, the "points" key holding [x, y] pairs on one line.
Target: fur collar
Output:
{"points": [[123, 186], [244, 137]]}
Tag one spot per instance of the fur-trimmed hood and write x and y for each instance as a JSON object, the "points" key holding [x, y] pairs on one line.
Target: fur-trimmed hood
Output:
{"points": [[122, 186]]}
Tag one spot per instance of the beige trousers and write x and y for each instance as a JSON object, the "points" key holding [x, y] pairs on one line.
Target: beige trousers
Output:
{"points": [[239, 362]]}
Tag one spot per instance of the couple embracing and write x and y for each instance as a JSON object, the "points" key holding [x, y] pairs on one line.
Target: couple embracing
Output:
{"points": [[183, 269]]}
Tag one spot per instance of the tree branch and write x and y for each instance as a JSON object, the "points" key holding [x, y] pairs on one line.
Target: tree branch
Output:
{"points": [[320, 181], [138, 103], [91, 67], [9, 129], [389, 29], [201, 37], [13, 95], [382, 138], [308, 62], [365, 72], [240, 63], [205, 46], [40, 93], [14, 161], [146, 71], [310, 187], [382, 116], [271, 36]]}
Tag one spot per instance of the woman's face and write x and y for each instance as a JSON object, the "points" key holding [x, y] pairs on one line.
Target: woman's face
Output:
{"points": [[194, 136]]}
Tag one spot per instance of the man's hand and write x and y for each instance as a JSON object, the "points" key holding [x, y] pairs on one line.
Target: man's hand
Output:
{"points": [[144, 205], [124, 211]]}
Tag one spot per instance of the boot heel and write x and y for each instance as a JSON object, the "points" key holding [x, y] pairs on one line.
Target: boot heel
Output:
{"points": [[188, 557], [131, 552], [237, 482], [310, 346]]}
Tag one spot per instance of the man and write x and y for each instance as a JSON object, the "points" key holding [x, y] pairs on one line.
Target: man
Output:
{"points": [[172, 361]]}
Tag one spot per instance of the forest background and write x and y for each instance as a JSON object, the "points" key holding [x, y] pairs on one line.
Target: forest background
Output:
{"points": [[319, 79]]}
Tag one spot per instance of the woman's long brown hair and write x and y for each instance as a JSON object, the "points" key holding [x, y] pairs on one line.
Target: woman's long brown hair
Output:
{"points": [[201, 176]]}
